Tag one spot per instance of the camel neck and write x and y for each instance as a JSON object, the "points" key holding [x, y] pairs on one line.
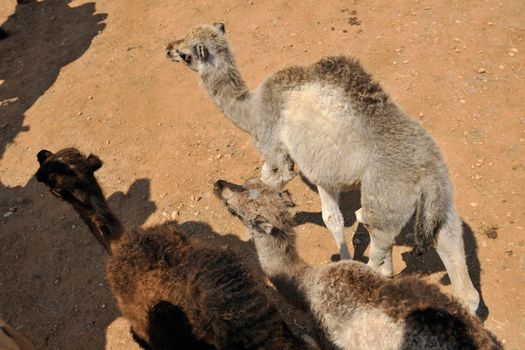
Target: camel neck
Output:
{"points": [[104, 225], [229, 91], [283, 266], [278, 255]]}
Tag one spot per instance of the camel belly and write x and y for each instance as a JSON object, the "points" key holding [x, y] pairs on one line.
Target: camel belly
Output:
{"points": [[319, 131]]}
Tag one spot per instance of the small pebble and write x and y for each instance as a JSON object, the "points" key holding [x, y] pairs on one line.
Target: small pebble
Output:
{"points": [[462, 101], [481, 70], [473, 204], [492, 233]]}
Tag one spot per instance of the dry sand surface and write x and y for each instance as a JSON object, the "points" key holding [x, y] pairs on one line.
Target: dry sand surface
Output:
{"points": [[93, 74]]}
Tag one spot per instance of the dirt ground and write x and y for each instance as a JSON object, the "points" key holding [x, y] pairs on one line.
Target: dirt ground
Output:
{"points": [[94, 75]]}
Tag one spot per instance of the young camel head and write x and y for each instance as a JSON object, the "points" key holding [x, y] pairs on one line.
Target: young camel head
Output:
{"points": [[261, 208], [69, 176], [204, 47]]}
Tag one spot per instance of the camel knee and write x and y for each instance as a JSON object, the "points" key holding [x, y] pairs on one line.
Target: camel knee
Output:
{"points": [[334, 222]]}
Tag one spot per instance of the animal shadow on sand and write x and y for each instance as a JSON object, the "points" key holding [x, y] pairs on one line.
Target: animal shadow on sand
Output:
{"points": [[54, 288], [44, 37], [427, 263], [38, 246]]}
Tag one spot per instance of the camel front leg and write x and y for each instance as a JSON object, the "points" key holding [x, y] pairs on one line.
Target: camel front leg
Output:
{"points": [[333, 219]]}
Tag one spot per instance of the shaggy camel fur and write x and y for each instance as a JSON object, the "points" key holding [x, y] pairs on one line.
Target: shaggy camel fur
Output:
{"points": [[354, 306], [178, 292], [341, 128]]}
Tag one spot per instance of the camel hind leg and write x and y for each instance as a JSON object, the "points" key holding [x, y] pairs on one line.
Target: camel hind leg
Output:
{"points": [[381, 243], [387, 205], [450, 248]]}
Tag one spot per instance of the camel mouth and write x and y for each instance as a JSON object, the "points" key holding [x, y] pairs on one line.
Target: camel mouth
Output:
{"points": [[217, 189], [224, 190], [172, 55]]}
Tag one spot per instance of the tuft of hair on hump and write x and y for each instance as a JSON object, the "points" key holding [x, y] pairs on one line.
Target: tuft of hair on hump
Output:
{"points": [[348, 73]]}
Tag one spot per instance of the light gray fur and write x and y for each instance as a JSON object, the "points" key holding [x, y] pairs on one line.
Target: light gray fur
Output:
{"points": [[340, 128]]}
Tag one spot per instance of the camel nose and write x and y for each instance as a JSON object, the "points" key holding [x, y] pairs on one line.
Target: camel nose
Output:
{"points": [[169, 51], [219, 185]]}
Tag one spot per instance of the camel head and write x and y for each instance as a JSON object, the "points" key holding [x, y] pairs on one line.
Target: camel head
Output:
{"points": [[204, 46], [69, 175], [261, 208]]}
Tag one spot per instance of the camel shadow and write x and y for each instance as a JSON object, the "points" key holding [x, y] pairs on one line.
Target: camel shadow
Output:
{"points": [[55, 287], [36, 230], [135, 206], [426, 263], [44, 37]]}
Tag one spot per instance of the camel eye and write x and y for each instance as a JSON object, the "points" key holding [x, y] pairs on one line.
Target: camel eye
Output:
{"points": [[233, 211]]}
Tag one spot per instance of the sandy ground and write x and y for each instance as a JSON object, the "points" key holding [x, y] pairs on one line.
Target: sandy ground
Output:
{"points": [[94, 75]]}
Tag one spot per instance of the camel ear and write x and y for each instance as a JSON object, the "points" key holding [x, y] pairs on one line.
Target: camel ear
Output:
{"points": [[43, 155], [287, 197], [220, 27], [94, 162]]}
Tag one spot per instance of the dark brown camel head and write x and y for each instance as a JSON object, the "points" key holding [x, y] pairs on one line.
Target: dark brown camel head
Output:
{"points": [[69, 175]]}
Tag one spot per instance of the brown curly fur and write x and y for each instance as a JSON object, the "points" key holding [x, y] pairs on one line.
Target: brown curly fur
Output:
{"points": [[175, 290], [363, 91]]}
